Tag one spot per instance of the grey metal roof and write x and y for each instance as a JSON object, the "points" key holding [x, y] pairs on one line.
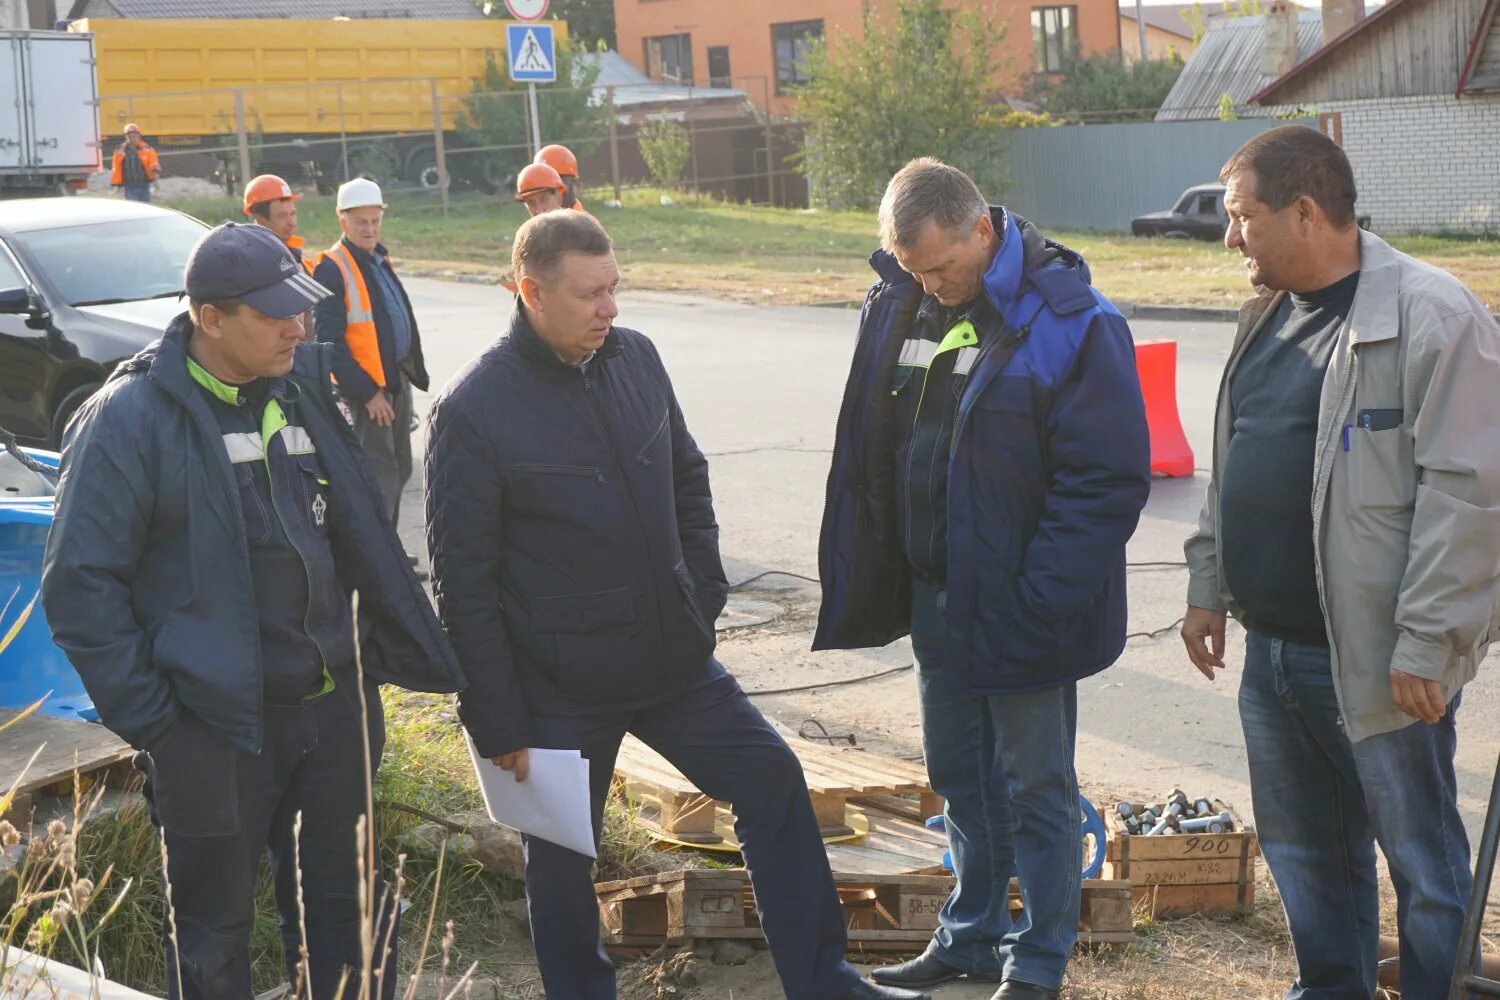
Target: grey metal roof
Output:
{"points": [[1227, 61], [635, 89], [315, 10]]}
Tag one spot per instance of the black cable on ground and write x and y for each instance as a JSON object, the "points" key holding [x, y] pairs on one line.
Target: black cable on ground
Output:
{"points": [[828, 684], [1157, 634]]}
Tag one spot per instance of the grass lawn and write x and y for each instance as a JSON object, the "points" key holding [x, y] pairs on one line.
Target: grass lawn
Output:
{"points": [[786, 256]]}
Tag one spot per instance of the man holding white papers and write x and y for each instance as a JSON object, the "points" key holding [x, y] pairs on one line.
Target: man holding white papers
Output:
{"points": [[576, 565]]}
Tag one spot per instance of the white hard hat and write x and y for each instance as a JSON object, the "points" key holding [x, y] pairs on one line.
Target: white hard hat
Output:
{"points": [[359, 193]]}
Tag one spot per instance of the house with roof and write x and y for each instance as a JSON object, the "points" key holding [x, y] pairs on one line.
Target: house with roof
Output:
{"points": [[1237, 57], [1412, 92]]}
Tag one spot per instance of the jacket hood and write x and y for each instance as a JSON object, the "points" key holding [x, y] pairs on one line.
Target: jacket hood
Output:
{"points": [[1025, 257]]}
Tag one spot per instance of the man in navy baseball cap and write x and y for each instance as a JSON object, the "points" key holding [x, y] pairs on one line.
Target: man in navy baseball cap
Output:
{"points": [[213, 516], [237, 261]]}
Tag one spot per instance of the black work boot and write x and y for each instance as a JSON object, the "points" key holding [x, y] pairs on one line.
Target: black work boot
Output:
{"points": [[924, 971], [866, 990]]}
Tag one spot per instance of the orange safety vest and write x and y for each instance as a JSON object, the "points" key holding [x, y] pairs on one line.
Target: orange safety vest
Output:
{"points": [[359, 329]]}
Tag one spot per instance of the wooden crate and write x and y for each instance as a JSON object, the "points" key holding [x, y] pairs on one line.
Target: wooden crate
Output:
{"points": [[883, 913], [834, 775], [42, 755], [1177, 874]]}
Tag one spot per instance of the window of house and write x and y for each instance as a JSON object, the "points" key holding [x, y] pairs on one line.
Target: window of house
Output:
{"points": [[669, 58], [791, 42], [1054, 36], [718, 66]]}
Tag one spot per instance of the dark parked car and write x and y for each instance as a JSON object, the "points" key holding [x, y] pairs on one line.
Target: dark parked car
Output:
{"points": [[84, 284], [1198, 215]]}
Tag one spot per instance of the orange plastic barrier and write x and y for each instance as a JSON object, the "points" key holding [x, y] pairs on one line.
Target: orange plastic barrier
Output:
{"points": [[1156, 363]]}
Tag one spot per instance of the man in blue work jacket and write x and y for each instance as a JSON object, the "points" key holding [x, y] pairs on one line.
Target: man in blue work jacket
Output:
{"points": [[990, 463], [213, 516], [575, 559]]}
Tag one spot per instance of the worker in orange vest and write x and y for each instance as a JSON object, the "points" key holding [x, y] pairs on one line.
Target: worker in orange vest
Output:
{"points": [[270, 202], [561, 159], [369, 321], [136, 166]]}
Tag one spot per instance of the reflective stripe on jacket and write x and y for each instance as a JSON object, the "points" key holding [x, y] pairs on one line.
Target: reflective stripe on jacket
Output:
{"points": [[359, 331]]}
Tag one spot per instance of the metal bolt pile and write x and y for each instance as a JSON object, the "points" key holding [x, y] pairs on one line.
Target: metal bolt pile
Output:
{"points": [[1178, 814]]}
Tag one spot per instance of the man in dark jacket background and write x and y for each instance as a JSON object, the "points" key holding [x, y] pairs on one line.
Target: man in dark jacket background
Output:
{"points": [[576, 565], [990, 463], [377, 347], [213, 516]]}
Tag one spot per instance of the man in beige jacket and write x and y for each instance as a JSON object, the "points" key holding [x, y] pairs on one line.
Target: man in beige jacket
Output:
{"points": [[1352, 525]]}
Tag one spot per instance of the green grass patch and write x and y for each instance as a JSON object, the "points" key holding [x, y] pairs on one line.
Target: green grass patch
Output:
{"points": [[789, 256]]}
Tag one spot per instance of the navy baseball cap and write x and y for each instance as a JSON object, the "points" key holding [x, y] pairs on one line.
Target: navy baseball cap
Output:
{"points": [[250, 263]]}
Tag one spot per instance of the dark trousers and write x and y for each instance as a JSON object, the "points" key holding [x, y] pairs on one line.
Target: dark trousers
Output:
{"points": [[138, 192], [222, 808], [722, 744], [388, 449]]}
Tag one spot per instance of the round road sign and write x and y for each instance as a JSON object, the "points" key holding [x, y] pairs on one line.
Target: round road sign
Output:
{"points": [[527, 10]]}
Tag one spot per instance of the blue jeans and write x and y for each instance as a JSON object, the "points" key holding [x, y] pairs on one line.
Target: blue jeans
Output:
{"points": [[138, 192], [1322, 804], [724, 746], [1004, 763]]}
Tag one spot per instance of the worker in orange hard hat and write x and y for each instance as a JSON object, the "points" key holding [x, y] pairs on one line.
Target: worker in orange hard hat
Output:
{"points": [[561, 159], [270, 202], [540, 188]]}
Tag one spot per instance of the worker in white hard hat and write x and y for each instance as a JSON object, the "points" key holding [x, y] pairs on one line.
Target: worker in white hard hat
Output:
{"points": [[377, 348]]}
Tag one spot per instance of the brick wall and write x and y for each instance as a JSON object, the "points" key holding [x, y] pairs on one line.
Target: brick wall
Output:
{"points": [[1425, 163]]}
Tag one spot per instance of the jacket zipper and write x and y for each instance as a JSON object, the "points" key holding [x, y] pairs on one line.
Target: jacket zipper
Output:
{"points": [[306, 568], [562, 470], [614, 447], [1321, 484], [666, 418]]}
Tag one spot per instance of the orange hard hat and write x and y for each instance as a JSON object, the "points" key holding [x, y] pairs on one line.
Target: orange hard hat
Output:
{"points": [[535, 178], [267, 187], [559, 158]]}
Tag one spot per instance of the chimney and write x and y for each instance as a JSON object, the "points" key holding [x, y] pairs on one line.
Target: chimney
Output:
{"points": [[1278, 54], [1339, 16]]}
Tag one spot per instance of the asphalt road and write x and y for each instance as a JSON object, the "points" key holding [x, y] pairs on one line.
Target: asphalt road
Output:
{"points": [[761, 387]]}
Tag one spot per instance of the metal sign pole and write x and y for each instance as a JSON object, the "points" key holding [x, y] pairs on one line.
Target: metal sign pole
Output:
{"points": [[536, 121]]}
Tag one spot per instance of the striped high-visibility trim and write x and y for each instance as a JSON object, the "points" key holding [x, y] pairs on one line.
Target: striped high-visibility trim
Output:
{"points": [[917, 353], [964, 362], [296, 441], [243, 448]]}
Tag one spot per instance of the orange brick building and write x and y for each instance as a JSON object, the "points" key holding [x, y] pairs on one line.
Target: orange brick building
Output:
{"points": [[757, 45]]}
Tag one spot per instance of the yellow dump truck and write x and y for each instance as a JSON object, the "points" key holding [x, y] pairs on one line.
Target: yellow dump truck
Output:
{"points": [[321, 100]]}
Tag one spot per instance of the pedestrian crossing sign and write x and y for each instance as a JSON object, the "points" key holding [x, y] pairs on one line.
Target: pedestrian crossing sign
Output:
{"points": [[531, 53]]}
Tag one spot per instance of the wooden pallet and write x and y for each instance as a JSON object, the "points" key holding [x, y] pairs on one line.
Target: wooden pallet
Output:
{"points": [[834, 776], [64, 750], [1177, 874], [883, 913]]}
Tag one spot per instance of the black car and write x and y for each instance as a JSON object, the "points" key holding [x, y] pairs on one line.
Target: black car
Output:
{"points": [[1198, 215], [85, 283]]}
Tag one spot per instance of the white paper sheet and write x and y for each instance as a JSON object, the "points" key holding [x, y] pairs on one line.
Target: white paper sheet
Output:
{"points": [[552, 803]]}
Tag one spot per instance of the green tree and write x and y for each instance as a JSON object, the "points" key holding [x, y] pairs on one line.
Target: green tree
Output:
{"points": [[665, 146], [1103, 87], [908, 89], [493, 122], [591, 22]]}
